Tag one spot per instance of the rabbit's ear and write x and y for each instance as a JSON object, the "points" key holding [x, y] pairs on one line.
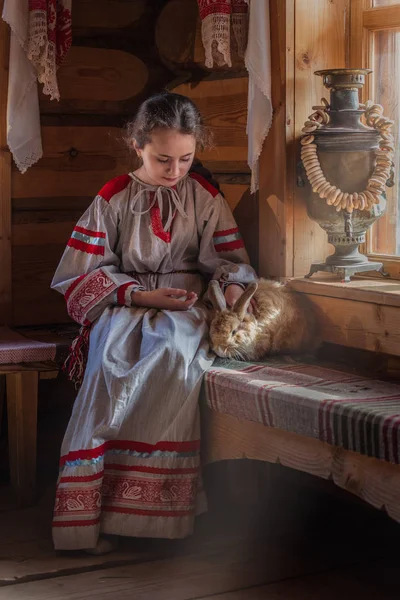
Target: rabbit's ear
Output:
{"points": [[242, 304], [216, 296]]}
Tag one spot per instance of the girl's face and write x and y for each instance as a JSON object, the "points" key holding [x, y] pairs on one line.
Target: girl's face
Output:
{"points": [[167, 157]]}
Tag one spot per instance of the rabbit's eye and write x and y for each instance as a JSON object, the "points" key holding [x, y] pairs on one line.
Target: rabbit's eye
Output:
{"points": [[234, 332]]}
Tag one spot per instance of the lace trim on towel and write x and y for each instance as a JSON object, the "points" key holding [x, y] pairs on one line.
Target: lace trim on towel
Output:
{"points": [[49, 41], [215, 33]]}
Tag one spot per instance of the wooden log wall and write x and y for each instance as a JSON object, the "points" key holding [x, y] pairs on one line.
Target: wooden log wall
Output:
{"points": [[123, 50]]}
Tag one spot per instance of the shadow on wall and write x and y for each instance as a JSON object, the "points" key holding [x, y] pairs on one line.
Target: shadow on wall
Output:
{"points": [[246, 215]]}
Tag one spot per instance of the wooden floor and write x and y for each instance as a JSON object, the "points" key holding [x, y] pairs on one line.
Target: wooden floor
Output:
{"points": [[298, 542], [294, 547]]}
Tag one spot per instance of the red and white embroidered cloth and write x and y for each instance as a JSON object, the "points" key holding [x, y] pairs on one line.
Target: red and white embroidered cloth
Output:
{"points": [[217, 17], [50, 38]]}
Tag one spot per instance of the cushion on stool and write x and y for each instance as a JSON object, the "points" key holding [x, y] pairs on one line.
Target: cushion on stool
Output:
{"points": [[15, 348]]}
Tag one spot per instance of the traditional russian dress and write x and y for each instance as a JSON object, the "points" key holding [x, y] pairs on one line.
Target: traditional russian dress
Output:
{"points": [[130, 462]]}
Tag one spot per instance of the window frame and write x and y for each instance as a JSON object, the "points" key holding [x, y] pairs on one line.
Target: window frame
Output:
{"points": [[365, 20]]}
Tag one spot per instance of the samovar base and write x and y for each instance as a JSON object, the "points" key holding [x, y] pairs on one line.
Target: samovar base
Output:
{"points": [[345, 272]]}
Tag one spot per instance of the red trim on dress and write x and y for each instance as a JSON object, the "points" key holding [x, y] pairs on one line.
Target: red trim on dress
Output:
{"points": [[73, 286], [114, 186], [82, 478], [192, 446], [121, 292], [90, 232], [226, 232], [228, 246], [154, 470], [205, 184], [137, 468], [157, 226], [85, 247], [87, 523], [147, 513], [84, 296]]}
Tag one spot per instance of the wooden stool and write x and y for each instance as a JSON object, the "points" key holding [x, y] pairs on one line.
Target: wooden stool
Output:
{"points": [[36, 350], [21, 395]]}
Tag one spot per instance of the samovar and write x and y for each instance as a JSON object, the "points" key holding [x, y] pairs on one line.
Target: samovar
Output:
{"points": [[347, 151]]}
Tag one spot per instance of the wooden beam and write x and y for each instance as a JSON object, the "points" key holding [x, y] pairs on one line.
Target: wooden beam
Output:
{"points": [[358, 35], [5, 179], [386, 17], [277, 158]]}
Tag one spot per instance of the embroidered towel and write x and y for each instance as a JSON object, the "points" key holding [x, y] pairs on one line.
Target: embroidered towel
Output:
{"points": [[216, 17], [23, 120], [40, 39], [50, 38]]}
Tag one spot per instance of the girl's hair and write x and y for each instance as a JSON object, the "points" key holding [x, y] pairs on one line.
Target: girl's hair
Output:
{"points": [[167, 111]]}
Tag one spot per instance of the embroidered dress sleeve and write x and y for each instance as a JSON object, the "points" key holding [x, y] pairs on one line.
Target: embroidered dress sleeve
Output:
{"points": [[88, 274], [222, 253]]}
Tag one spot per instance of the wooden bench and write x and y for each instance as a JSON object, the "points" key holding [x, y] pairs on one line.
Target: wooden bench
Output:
{"points": [[26, 356], [327, 422]]}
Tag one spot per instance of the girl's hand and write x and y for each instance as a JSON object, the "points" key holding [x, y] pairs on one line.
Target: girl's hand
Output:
{"points": [[233, 293], [164, 298]]}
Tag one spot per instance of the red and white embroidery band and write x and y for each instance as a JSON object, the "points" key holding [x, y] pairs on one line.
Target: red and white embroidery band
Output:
{"points": [[87, 240], [87, 291], [227, 240]]}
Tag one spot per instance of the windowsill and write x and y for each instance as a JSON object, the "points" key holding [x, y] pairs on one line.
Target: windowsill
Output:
{"points": [[361, 314], [362, 289]]}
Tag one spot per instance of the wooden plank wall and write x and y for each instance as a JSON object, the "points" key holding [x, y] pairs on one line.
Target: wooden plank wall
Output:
{"points": [[5, 180], [321, 39], [310, 35], [122, 52]]}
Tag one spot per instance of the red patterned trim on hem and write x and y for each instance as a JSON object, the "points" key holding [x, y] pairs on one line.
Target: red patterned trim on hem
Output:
{"points": [[205, 184], [192, 446], [157, 226], [135, 469], [229, 246], [113, 187], [82, 478], [148, 513], [84, 247], [85, 523], [154, 470]]}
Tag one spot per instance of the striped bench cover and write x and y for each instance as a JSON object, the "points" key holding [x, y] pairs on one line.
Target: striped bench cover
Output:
{"points": [[344, 409]]}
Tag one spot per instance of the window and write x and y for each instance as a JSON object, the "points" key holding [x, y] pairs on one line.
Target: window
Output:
{"points": [[375, 43]]}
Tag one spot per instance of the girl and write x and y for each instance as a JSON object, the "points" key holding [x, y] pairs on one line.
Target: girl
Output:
{"points": [[133, 274]]}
